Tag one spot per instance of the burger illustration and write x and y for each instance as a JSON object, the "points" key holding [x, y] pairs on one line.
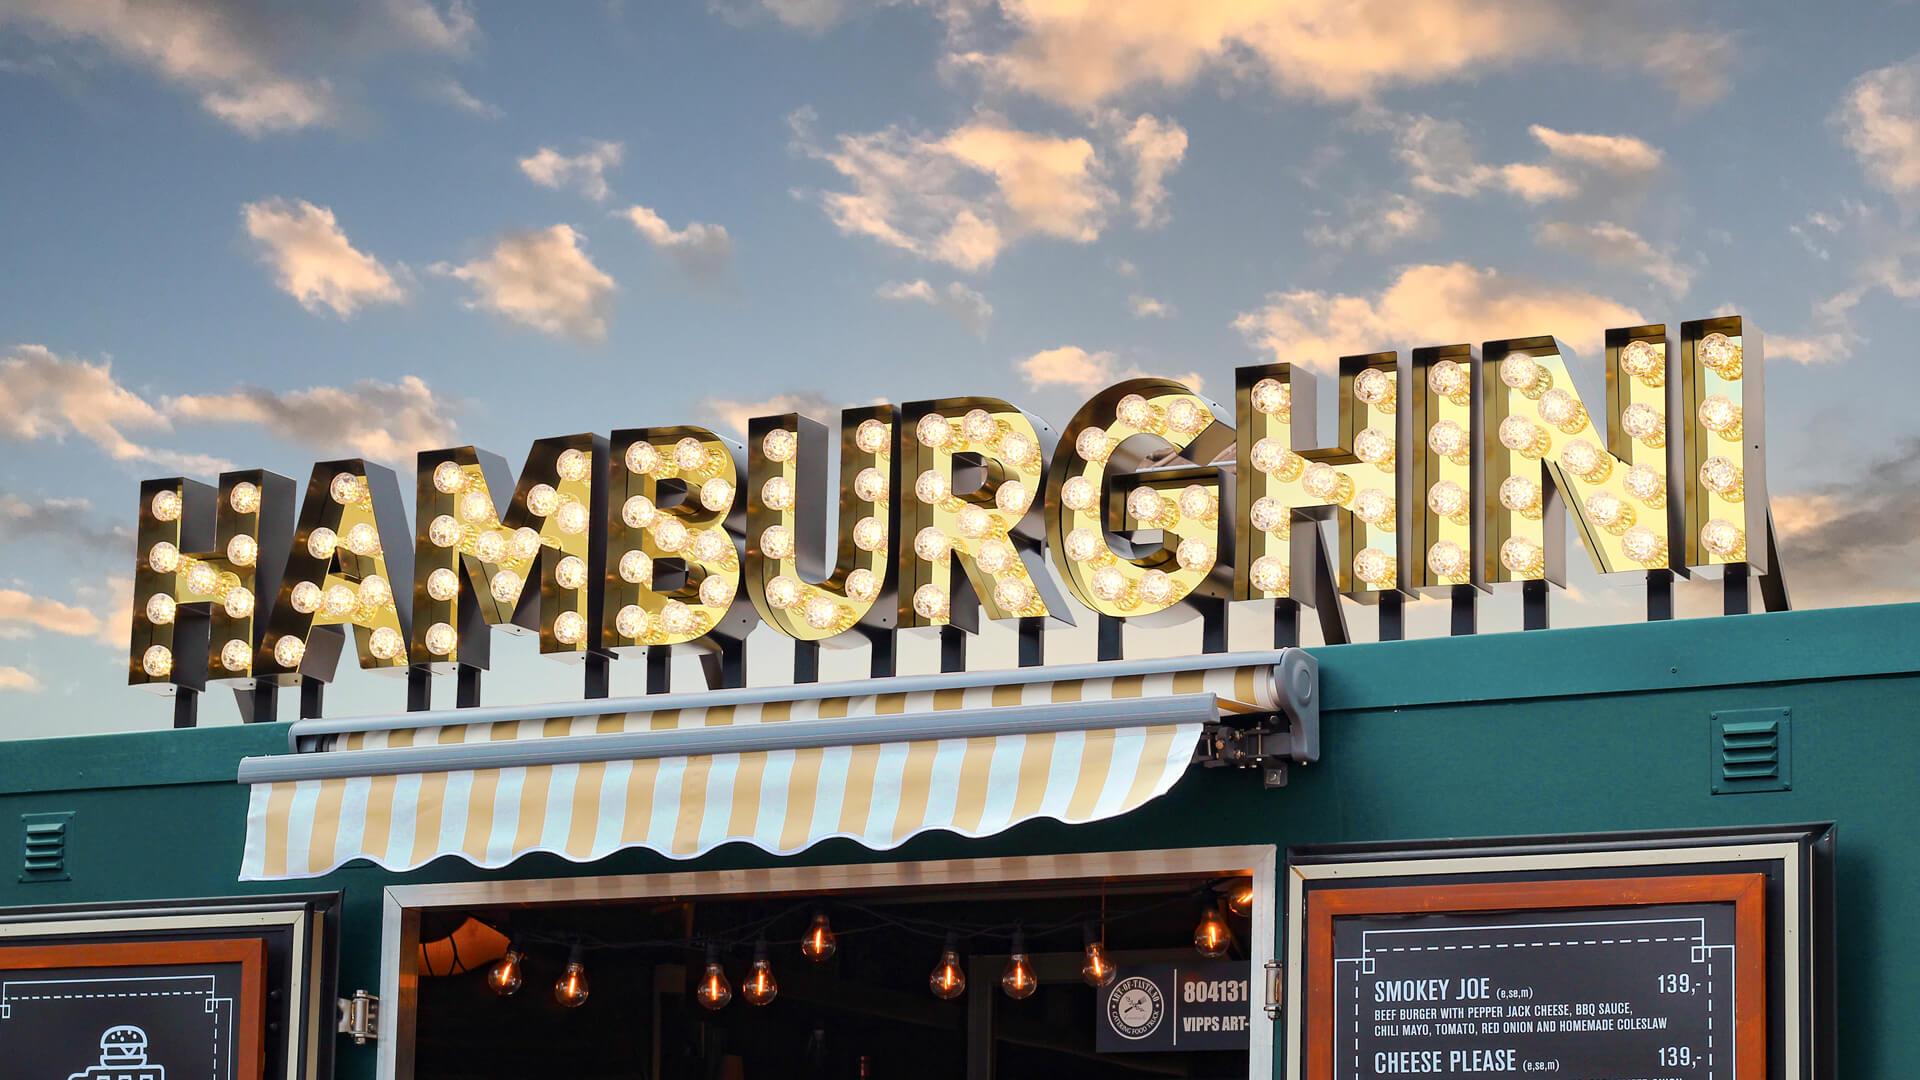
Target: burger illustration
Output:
{"points": [[123, 1056]]}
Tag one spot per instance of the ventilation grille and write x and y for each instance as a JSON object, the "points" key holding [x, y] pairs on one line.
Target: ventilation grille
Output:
{"points": [[43, 847], [1752, 751]]}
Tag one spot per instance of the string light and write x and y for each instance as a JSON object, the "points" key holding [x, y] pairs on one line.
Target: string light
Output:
{"points": [[570, 990], [819, 944], [948, 980], [1240, 899], [507, 973], [1017, 980], [714, 991], [759, 987], [1211, 937], [1098, 970]]}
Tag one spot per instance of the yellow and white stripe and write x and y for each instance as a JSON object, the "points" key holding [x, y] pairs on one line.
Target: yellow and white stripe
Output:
{"points": [[781, 800]]}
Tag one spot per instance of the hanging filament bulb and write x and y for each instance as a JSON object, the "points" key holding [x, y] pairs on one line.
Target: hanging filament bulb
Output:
{"points": [[759, 987], [1098, 970], [1240, 898], [1212, 937], [948, 980], [507, 973], [570, 990], [819, 943], [714, 991], [1017, 980]]}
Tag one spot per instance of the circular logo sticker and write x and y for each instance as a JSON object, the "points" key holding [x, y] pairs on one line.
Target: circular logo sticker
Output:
{"points": [[1134, 1007]]}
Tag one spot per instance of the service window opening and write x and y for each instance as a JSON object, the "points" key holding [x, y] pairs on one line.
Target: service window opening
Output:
{"points": [[1117, 978]]}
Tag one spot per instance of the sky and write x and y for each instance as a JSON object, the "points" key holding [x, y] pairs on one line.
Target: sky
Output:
{"points": [[264, 234]]}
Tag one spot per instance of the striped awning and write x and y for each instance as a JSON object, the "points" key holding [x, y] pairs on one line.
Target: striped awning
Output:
{"points": [[874, 767]]}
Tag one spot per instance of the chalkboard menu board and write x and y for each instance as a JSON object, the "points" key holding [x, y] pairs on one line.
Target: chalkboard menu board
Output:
{"points": [[1636, 992], [1675, 955], [213, 988], [160, 1010]]}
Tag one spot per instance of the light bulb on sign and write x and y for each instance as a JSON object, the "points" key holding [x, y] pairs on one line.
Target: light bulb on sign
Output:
{"points": [[166, 505], [244, 498], [572, 464], [449, 478]]}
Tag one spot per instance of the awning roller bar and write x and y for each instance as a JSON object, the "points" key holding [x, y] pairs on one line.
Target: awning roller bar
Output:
{"points": [[306, 734], [792, 735]]}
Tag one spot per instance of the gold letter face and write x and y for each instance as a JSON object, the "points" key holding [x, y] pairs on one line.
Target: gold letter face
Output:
{"points": [[976, 466], [1135, 517], [201, 597], [349, 542], [546, 541], [673, 561], [786, 519], [1727, 486], [1357, 481], [1544, 448]]}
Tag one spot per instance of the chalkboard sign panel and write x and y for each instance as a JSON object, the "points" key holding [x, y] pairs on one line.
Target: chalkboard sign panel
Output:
{"points": [[152, 1010], [1649, 978], [1605, 993]]}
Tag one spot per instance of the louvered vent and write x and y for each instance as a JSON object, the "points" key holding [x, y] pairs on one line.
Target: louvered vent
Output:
{"points": [[1752, 750], [43, 847]]}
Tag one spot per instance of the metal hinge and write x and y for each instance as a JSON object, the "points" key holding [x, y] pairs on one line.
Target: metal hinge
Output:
{"points": [[360, 1017], [1276, 990]]}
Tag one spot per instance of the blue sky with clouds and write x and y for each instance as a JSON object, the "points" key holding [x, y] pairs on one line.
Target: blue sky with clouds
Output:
{"points": [[268, 233]]}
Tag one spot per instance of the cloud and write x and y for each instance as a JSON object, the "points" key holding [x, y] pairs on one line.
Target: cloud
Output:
{"points": [[1146, 307], [735, 413], [313, 261], [700, 250], [69, 520], [230, 53], [962, 197], [585, 171], [1081, 54], [1441, 160], [1070, 366], [1856, 540], [540, 278], [1616, 245], [1156, 148], [1880, 122], [13, 678], [386, 421], [1430, 304], [1073, 368], [450, 91], [1613, 153], [970, 307], [812, 16], [47, 396], [1375, 224], [1821, 348], [23, 614]]}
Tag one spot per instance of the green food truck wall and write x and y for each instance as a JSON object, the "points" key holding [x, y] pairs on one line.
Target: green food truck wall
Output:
{"points": [[1578, 730]]}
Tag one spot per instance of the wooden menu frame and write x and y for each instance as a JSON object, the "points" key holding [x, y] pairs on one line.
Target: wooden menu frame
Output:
{"points": [[1745, 891]]}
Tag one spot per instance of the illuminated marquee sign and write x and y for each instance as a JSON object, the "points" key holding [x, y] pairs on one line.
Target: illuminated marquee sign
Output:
{"points": [[1449, 473]]}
